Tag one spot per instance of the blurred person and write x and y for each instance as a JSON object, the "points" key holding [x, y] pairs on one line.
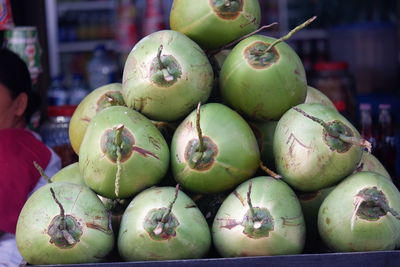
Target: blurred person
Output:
{"points": [[19, 148]]}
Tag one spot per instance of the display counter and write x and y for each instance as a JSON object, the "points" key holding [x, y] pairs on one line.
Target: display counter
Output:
{"points": [[364, 259]]}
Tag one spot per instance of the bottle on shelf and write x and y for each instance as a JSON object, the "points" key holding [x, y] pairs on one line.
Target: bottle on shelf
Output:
{"points": [[57, 94], [62, 29], [153, 17], [321, 50], [54, 132], [105, 21], [82, 30], [71, 27], [366, 125], [386, 141], [127, 32], [335, 81], [93, 26], [306, 56], [78, 90], [101, 68]]}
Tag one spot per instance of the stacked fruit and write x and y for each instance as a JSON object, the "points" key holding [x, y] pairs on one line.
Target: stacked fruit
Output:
{"points": [[173, 160]]}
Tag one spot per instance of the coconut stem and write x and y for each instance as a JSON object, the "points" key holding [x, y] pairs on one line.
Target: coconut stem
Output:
{"points": [[199, 132], [319, 121], [378, 202], [119, 171], [62, 212], [242, 38], [110, 99], [384, 205], [359, 167], [63, 225], [358, 202], [290, 34], [118, 134], [394, 213], [356, 141], [167, 76], [249, 201], [164, 219], [269, 171], [70, 239], [41, 171], [113, 100], [347, 139], [159, 228], [227, 3], [160, 48], [118, 143]]}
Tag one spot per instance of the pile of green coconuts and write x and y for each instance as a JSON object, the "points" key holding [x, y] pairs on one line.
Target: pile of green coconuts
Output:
{"points": [[214, 145]]}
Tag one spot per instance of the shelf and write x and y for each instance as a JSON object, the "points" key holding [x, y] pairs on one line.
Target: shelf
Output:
{"points": [[56, 8], [310, 34], [86, 5], [85, 46]]}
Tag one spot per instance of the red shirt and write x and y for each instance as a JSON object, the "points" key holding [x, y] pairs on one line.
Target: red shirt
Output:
{"points": [[18, 175]]}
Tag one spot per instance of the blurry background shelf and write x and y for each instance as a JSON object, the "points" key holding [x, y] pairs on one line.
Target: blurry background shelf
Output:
{"points": [[62, 12], [86, 46], [86, 5]]}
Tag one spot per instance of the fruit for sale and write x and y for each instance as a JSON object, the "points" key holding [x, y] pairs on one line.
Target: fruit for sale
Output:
{"points": [[122, 153], [315, 147], [262, 82], [264, 132], [260, 217], [316, 96], [70, 173], [64, 223], [100, 98], [361, 214], [165, 75], [214, 23], [163, 223], [213, 150], [263, 77], [310, 203], [370, 163]]}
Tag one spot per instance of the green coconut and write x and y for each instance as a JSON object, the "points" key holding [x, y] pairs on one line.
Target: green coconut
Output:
{"points": [[370, 163], [64, 223], [261, 217], [310, 203], [213, 150], [316, 147], [361, 214], [265, 131], [163, 223], [100, 98], [316, 96], [165, 75], [214, 23], [260, 82], [122, 153], [70, 173]]}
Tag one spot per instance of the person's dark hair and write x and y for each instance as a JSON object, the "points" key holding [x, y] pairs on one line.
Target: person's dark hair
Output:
{"points": [[14, 75]]}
